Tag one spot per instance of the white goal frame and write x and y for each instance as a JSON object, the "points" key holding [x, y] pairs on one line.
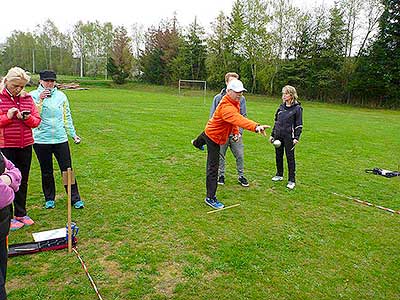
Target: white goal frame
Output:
{"points": [[195, 81]]}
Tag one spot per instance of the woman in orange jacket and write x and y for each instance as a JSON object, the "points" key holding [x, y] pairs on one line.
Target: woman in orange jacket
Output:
{"points": [[225, 121]]}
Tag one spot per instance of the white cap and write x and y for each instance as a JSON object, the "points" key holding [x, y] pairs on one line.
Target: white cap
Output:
{"points": [[236, 85]]}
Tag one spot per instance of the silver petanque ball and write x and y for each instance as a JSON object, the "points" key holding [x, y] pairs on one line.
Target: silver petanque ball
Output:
{"points": [[277, 143]]}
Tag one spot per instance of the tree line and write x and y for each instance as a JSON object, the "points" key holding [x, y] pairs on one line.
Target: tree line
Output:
{"points": [[348, 53]]}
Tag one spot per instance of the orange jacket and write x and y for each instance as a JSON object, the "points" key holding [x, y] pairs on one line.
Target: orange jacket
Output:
{"points": [[226, 120]]}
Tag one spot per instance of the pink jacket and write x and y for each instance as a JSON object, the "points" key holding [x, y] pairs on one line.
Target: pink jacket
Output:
{"points": [[7, 191], [16, 133]]}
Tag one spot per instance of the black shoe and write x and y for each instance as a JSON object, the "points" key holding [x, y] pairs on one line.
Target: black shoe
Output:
{"points": [[221, 180], [243, 181], [200, 148]]}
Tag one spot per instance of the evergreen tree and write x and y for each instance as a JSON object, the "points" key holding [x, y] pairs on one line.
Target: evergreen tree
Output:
{"points": [[217, 61], [236, 29], [333, 51], [120, 60], [256, 41], [284, 22], [194, 51], [378, 73], [171, 45], [158, 61]]}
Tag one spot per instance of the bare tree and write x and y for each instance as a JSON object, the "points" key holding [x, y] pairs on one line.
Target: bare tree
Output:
{"points": [[256, 39], [284, 21], [137, 38], [373, 10]]}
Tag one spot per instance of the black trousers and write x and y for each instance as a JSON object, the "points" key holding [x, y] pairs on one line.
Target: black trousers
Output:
{"points": [[44, 153], [22, 158], [212, 162], [5, 215], [287, 146]]}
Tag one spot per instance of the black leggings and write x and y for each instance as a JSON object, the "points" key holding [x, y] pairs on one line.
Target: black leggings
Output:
{"points": [[21, 158], [44, 153], [287, 145], [212, 162], [5, 214]]}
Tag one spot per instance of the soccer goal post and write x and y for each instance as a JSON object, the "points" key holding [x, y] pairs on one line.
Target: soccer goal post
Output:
{"points": [[190, 83]]}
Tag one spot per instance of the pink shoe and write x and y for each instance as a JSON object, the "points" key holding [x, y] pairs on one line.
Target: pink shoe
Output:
{"points": [[26, 220], [16, 225]]}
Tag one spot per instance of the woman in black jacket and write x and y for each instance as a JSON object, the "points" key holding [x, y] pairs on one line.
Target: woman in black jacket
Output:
{"points": [[287, 129]]}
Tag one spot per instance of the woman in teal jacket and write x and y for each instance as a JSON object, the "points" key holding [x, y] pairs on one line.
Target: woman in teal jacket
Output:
{"points": [[51, 137]]}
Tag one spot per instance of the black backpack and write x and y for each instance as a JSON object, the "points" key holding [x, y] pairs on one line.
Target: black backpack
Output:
{"points": [[382, 172]]}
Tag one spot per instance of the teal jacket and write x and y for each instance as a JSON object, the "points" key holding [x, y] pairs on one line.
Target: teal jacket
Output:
{"points": [[56, 118]]}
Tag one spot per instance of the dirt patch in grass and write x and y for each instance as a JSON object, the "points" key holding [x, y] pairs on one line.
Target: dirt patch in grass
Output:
{"points": [[20, 282], [170, 275], [16, 283], [113, 268], [210, 276]]}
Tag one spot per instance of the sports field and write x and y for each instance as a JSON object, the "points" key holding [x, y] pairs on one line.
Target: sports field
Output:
{"points": [[145, 232]]}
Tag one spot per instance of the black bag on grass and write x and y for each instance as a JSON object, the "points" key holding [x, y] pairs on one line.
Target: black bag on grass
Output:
{"points": [[382, 172], [34, 247]]}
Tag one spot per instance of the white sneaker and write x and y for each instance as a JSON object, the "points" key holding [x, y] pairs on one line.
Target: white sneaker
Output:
{"points": [[277, 178], [291, 185]]}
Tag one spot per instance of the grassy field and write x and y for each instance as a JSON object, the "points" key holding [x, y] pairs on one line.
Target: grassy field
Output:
{"points": [[145, 232]]}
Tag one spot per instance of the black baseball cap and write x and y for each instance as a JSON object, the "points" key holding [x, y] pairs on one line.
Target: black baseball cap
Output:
{"points": [[47, 75]]}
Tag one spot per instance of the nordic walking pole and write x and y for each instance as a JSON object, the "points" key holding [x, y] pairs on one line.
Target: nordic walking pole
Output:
{"points": [[226, 207], [69, 179]]}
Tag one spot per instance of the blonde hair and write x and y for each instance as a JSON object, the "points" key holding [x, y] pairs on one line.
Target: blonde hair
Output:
{"points": [[15, 74], [231, 74], [288, 89]]}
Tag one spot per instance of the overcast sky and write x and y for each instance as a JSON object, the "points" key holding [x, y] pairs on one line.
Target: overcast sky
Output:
{"points": [[24, 15]]}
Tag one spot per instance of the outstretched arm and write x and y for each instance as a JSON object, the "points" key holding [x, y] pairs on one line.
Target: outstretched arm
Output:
{"points": [[231, 116]]}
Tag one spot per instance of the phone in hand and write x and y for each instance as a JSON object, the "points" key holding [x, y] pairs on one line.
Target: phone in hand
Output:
{"points": [[48, 95], [25, 113]]}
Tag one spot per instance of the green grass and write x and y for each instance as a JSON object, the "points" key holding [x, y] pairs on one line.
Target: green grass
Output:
{"points": [[145, 232]]}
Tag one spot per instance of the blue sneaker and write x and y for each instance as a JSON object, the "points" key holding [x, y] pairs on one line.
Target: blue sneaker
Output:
{"points": [[79, 204], [49, 204], [201, 147], [214, 203]]}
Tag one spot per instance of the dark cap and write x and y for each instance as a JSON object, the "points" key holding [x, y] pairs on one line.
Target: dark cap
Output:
{"points": [[47, 75]]}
